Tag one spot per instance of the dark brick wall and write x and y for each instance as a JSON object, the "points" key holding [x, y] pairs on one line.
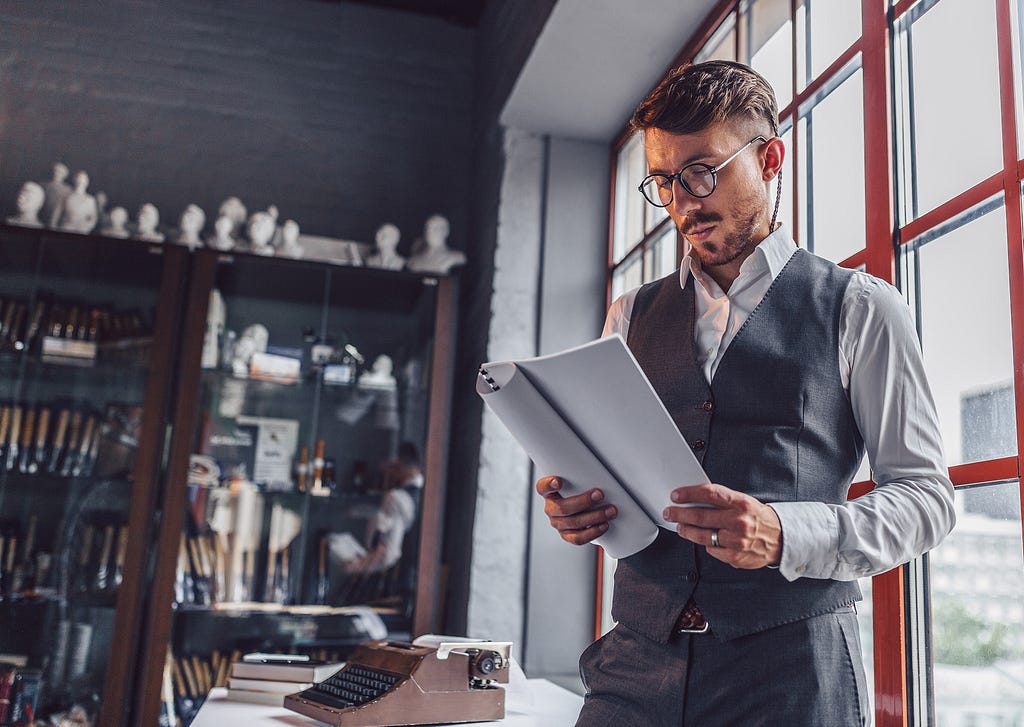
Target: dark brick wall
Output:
{"points": [[343, 115]]}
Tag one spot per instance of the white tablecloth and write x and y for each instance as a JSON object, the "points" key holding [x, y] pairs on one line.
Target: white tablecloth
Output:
{"points": [[529, 703]]}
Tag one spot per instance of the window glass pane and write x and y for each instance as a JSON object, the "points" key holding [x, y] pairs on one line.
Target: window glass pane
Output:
{"points": [[933, 125], [630, 169], [977, 611], [766, 44], [722, 43], [628, 276], [832, 155], [834, 26], [788, 183], [970, 372], [663, 254], [654, 214], [1018, 52]]}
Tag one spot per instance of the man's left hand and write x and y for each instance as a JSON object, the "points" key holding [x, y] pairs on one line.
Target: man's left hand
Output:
{"points": [[749, 534]]}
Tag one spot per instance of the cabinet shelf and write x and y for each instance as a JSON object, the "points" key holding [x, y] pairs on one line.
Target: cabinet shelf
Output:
{"points": [[156, 408]]}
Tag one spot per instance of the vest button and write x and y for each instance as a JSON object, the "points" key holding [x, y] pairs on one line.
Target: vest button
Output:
{"points": [[691, 576], [707, 405], [699, 444]]}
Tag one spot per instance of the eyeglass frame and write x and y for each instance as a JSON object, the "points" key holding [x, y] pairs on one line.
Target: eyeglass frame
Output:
{"points": [[678, 177]]}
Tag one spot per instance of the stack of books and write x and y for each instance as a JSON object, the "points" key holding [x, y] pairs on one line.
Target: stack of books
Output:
{"points": [[269, 678]]}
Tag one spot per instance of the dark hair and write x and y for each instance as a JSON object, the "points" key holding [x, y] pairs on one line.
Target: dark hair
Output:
{"points": [[695, 96]]}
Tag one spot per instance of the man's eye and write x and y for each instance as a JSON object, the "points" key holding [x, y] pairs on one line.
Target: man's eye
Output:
{"points": [[664, 182]]}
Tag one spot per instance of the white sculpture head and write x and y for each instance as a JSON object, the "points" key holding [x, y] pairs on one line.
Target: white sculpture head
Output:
{"points": [[60, 172], [81, 182], [290, 232], [30, 199], [118, 218], [260, 229], [223, 226], [387, 238], [148, 218], [435, 231], [233, 208], [192, 219], [382, 366]]}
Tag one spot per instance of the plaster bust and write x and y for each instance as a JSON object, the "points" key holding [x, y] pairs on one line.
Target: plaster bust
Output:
{"points": [[380, 375], [56, 191], [253, 339], [233, 208], [386, 255], [148, 219], [435, 256], [221, 238], [30, 200], [79, 212], [260, 230], [117, 224], [290, 246], [190, 225]]}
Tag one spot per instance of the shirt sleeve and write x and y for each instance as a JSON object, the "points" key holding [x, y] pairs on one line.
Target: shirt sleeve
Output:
{"points": [[617, 319], [910, 510]]}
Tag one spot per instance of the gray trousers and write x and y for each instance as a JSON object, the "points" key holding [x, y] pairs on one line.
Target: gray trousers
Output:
{"points": [[806, 673]]}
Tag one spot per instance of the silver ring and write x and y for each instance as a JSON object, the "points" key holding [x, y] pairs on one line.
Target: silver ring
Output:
{"points": [[714, 539]]}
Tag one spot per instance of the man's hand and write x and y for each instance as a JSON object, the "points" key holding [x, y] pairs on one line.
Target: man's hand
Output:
{"points": [[748, 532], [578, 518]]}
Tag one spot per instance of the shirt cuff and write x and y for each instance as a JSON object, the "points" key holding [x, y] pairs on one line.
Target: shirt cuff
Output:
{"points": [[810, 539]]}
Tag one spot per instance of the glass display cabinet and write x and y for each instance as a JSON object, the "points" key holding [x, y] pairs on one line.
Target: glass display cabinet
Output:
{"points": [[87, 333], [306, 468]]}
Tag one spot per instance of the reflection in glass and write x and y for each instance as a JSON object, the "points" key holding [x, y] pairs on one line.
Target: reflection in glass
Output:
{"points": [[977, 611], [966, 371], [939, 95], [834, 26], [831, 139], [766, 44]]}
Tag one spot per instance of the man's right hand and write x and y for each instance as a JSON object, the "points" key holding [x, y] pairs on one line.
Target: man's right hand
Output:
{"points": [[577, 518]]}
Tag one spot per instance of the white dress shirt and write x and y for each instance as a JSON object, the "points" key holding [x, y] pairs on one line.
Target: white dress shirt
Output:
{"points": [[911, 508]]}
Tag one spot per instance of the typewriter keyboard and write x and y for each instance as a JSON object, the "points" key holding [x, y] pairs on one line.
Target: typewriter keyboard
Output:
{"points": [[352, 686]]}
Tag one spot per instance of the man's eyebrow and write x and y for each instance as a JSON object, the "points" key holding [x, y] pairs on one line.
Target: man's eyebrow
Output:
{"points": [[698, 157]]}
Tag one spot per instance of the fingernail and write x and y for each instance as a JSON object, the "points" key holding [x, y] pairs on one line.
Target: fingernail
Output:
{"points": [[556, 484], [602, 527], [667, 514], [596, 495], [676, 497], [609, 512]]}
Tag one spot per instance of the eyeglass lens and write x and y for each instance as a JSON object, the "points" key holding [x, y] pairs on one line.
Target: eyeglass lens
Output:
{"points": [[698, 179]]}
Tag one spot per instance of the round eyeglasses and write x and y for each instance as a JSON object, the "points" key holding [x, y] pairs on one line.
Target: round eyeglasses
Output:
{"points": [[698, 179]]}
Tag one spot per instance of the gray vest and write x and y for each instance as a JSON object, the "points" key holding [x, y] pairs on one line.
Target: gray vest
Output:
{"points": [[775, 423]]}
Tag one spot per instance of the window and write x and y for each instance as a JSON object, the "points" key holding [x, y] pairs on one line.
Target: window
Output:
{"points": [[903, 122]]}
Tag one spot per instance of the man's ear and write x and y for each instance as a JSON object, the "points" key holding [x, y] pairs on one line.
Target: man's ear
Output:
{"points": [[772, 155]]}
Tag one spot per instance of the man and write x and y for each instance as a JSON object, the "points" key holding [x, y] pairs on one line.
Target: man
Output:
{"points": [[780, 369]]}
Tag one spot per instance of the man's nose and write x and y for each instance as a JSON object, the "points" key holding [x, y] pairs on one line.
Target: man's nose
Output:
{"points": [[683, 203]]}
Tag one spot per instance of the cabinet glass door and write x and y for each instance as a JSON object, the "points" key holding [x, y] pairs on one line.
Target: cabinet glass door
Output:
{"points": [[82, 390], [307, 465]]}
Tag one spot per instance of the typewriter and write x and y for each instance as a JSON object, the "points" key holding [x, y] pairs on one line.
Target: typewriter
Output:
{"points": [[397, 683]]}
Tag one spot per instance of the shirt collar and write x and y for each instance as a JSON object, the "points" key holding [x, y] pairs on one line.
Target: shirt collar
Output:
{"points": [[773, 252]]}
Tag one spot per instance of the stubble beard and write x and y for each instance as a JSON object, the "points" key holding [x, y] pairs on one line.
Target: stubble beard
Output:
{"points": [[738, 243]]}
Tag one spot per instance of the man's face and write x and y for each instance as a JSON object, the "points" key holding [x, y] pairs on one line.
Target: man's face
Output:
{"points": [[726, 226]]}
